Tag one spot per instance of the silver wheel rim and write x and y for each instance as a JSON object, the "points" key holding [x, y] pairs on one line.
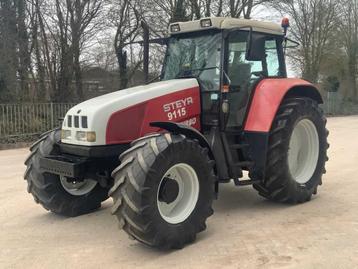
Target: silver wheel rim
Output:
{"points": [[303, 151], [181, 208], [78, 188]]}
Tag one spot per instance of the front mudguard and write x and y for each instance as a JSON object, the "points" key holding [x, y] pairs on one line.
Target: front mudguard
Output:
{"points": [[212, 142]]}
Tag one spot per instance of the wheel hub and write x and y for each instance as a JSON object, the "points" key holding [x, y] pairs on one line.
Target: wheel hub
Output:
{"points": [[169, 190], [178, 193], [303, 151], [77, 187]]}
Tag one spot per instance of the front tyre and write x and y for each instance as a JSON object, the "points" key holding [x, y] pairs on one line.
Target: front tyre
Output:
{"points": [[164, 190], [58, 194], [297, 152]]}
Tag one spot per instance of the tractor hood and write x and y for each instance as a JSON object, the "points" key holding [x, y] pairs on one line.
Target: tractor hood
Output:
{"points": [[94, 115]]}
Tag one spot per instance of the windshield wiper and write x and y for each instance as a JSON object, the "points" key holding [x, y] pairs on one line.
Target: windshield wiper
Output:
{"points": [[153, 79], [190, 72]]}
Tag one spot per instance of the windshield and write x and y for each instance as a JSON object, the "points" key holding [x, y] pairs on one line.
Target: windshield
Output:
{"points": [[195, 55]]}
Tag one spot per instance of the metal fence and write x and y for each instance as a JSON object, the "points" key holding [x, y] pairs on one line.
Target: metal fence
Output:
{"points": [[332, 103], [30, 119], [18, 120]]}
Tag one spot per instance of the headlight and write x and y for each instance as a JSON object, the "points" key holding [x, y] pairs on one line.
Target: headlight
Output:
{"points": [[175, 28], [205, 23], [86, 136], [65, 134], [91, 136], [81, 136]]}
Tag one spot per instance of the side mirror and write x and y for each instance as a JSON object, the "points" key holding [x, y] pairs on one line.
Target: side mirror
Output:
{"points": [[255, 48]]}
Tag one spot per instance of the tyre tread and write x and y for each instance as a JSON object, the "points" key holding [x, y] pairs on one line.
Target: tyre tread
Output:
{"points": [[46, 188], [130, 192], [275, 186]]}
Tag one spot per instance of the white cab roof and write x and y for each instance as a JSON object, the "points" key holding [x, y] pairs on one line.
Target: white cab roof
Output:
{"points": [[229, 23]]}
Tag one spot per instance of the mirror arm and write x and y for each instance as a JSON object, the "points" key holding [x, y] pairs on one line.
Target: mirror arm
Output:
{"points": [[227, 77], [284, 46]]}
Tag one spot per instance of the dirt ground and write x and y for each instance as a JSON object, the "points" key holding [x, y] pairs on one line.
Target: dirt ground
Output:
{"points": [[246, 231]]}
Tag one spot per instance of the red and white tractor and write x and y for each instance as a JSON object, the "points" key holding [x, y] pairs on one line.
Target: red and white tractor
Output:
{"points": [[223, 105]]}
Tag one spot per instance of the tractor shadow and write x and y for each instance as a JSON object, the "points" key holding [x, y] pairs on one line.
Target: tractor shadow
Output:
{"points": [[49, 217], [233, 202], [232, 198]]}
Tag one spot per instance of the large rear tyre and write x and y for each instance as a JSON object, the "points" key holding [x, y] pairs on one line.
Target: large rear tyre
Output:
{"points": [[297, 152], [57, 194], [164, 190]]}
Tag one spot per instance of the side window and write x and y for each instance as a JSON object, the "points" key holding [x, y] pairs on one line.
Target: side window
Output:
{"points": [[273, 64], [240, 71]]}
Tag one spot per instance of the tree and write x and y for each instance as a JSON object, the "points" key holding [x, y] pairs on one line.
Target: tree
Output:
{"points": [[8, 52], [179, 12], [60, 31], [313, 24], [45, 64], [126, 19], [23, 45], [348, 27], [242, 8], [82, 13], [232, 8]]}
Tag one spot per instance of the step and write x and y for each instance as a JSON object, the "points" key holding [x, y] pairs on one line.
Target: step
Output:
{"points": [[245, 182]]}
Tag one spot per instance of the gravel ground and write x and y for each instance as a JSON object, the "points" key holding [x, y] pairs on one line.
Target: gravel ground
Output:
{"points": [[246, 231]]}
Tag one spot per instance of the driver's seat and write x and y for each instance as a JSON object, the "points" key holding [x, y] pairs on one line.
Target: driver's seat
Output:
{"points": [[240, 75]]}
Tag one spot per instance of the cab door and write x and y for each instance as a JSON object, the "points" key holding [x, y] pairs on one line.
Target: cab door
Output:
{"points": [[244, 74]]}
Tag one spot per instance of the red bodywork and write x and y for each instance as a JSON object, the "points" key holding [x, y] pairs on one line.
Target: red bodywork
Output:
{"points": [[128, 124], [266, 101]]}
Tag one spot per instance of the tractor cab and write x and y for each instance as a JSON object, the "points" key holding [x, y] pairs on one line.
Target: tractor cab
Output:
{"points": [[228, 57]]}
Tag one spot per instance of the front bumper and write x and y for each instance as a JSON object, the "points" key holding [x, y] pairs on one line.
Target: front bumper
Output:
{"points": [[71, 167], [94, 151], [82, 162]]}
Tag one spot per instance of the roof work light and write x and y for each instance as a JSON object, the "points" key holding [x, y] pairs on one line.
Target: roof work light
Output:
{"points": [[285, 24]]}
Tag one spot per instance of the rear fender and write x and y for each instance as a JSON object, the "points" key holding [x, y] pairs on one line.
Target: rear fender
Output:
{"points": [[268, 96], [265, 103]]}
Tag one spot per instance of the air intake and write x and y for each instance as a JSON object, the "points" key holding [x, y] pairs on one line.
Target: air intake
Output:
{"points": [[84, 122], [77, 122]]}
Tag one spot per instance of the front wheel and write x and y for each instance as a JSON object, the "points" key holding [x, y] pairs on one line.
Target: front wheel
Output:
{"points": [[59, 194], [297, 152], [164, 190]]}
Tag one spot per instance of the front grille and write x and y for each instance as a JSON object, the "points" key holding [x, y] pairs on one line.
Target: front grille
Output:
{"points": [[84, 122], [77, 122], [69, 121]]}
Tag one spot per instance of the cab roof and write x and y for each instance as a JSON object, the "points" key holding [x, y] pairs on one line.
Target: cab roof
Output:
{"points": [[225, 23]]}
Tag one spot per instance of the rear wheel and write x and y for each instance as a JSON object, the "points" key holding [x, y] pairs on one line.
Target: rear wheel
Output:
{"points": [[69, 197], [297, 152], [164, 190]]}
